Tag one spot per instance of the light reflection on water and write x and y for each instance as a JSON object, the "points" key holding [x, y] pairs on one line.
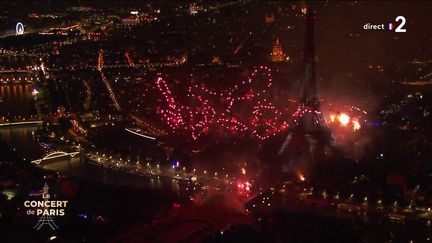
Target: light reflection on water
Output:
{"points": [[16, 100], [21, 138], [79, 168]]}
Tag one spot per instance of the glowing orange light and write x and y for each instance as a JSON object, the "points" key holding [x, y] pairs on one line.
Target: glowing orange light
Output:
{"points": [[243, 171], [301, 177], [304, 10], [344, 119], [332, 118], [356, 125]]}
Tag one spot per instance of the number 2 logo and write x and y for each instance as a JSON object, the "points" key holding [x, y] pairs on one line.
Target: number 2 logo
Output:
{"points": [[400, 27]]}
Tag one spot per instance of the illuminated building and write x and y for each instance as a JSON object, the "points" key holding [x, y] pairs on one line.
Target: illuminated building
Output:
{"points": [[277, 54], [193, 9]]}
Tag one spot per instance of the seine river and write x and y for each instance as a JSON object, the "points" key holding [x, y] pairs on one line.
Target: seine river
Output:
{"points": [[21, 139], [16, 100]]}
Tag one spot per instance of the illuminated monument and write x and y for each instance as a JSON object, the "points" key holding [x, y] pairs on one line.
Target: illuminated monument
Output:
{"points": [[309, 138], [46, 219], [277, 54], [19, 29]]}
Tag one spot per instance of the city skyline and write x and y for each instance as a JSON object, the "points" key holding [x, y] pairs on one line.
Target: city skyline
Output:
{"points": [[216, 121]]}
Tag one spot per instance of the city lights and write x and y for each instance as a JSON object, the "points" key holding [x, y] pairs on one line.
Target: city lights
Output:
{"points": [[215, 121]]}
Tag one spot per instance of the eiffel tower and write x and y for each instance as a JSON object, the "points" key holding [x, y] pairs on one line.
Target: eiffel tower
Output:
{"points": [[309, 138], [46, 219]]}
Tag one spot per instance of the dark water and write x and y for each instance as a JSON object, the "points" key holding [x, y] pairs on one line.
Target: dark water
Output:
{"points": [[21, 139], [79, 168], [16, 100]]}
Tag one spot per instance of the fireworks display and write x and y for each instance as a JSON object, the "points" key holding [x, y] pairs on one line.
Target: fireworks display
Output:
{"points": [[211, 109], [244, 187], [345, 120], [263, 120]]}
